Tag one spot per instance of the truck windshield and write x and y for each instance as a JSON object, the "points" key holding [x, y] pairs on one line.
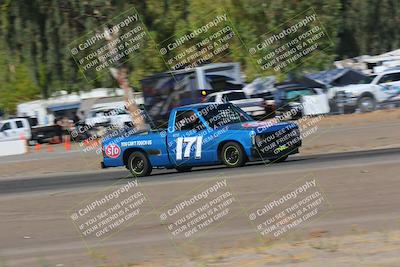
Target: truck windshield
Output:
{"points": [[234, 96], [5, 126], [367, 79], [220, 115]]}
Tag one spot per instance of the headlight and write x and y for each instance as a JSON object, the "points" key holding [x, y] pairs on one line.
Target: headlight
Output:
{"points": [[259, 140], [349, 94], [296, 132], [345, 94]]}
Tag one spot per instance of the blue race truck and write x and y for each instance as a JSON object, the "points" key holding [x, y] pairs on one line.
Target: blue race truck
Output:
{"points": [[200, 135]]}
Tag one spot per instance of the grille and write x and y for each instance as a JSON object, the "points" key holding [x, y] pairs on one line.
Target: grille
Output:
{"points": [[278, 142]]}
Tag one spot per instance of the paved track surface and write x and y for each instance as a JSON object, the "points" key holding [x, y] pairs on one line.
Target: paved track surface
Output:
{"points": [[101, 178]]}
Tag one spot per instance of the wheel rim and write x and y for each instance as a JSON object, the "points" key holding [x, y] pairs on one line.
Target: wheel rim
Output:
{"points": [[231, 155], [367, 104], [137, 165]]}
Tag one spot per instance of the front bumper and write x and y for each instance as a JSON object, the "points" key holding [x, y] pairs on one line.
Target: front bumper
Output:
{"points": [[256, 154], [350, 102], [345, 99], [272, 145], [102, 165]]}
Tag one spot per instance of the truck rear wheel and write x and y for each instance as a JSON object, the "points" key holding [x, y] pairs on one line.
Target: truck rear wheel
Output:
{"points": [[366, 104], [232, 155], [138, 164]]}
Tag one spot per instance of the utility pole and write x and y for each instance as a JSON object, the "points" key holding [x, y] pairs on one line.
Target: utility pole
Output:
{"points": [[120, 74]]}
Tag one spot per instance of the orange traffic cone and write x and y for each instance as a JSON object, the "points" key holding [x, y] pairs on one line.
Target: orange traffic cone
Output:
{"points": [[50, 148], [38, 147], [67, 143]]}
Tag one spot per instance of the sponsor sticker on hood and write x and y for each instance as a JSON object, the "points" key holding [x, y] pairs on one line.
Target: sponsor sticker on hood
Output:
{"points": [[254, 124]]}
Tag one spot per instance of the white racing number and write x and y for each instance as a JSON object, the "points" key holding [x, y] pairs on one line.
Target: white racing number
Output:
{"points": [[189, 141]]}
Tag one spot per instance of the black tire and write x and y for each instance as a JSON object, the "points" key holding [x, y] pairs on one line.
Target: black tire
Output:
{"points": [[138, 164], [232, 155], [183, 168], [349, 110], [298, 115], [32, 142], [366, 104], [280, 159]]}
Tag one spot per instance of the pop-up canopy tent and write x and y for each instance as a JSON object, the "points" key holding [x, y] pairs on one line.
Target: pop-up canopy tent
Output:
{"points": [[329, 78]]}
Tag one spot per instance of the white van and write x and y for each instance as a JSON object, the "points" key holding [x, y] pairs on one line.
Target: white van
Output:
{"points": [[15, 129]]}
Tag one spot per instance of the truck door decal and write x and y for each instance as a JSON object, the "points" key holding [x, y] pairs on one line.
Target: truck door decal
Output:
{"points": [[189, 144]]}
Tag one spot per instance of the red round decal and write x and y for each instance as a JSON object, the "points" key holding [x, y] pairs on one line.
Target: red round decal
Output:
{"points": [[112, 151], [253, 124]]}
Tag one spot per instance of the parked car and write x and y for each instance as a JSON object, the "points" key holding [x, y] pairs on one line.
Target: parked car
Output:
{"points": [[383, 88], [104, 116], [255, 107], [300, 100], [15, 129], [27, 128]]}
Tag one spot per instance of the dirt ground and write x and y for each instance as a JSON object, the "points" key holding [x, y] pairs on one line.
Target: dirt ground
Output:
{"points": [[363, 249], [351, 132]]}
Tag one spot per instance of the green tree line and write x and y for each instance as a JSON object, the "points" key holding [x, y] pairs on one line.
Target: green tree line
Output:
{"points": [[35, 60]]}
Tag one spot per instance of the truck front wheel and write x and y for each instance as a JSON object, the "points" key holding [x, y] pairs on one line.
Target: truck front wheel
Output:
{"points": [[138, 164], [232, 155], [366, 104]]}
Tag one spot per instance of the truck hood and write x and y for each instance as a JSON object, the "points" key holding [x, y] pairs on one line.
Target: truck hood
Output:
{"points": [[248, 102], [352, 87], [260, 126]]}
